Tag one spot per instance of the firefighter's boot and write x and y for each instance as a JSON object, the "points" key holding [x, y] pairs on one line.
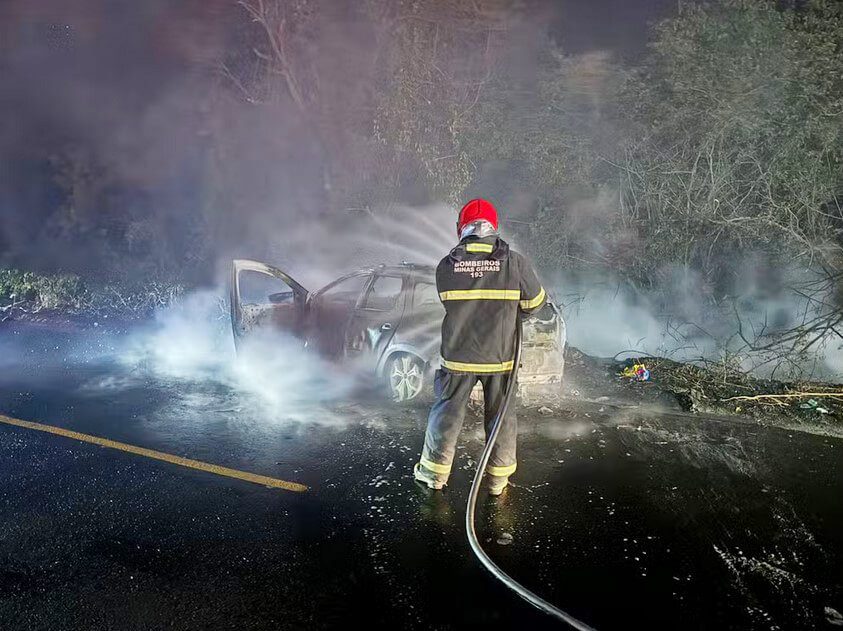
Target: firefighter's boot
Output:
{"points": [[497, 483], [428, 478]]}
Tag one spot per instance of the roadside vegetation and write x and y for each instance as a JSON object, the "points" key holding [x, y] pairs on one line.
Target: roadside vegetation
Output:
{"points": [[24, 294]]}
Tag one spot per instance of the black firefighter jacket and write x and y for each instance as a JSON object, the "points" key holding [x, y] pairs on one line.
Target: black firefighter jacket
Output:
{"points": [[483, 285]]}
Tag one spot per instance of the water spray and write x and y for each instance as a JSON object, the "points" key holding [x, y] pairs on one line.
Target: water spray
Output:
{"points": [[484, 558]]}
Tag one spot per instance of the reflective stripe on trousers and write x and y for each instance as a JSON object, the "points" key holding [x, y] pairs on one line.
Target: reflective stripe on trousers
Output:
{"points": [[453, 391]]}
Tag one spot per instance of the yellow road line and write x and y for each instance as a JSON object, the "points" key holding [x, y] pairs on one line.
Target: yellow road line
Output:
{"points": [[158, 455]]}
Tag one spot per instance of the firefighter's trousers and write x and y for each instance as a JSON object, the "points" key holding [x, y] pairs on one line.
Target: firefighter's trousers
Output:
{"points": [[453, 391]]}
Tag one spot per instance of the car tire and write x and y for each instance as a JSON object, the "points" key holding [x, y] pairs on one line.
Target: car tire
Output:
{"points": [[404, 375]]}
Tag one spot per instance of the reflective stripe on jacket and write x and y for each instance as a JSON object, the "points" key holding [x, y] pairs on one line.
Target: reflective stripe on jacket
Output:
{"points": [[483, 285]]}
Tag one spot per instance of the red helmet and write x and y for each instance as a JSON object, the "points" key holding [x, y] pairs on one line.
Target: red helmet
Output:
{"points": [[475, 210]]}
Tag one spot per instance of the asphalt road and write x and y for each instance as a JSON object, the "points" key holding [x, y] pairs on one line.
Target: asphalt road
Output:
{"points": [[626, 521]]}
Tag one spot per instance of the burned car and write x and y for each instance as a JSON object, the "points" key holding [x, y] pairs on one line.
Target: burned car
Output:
{"points": [[388, 316]]}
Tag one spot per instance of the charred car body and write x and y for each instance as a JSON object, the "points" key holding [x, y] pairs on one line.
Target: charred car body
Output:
{"points": [[388, 315]]}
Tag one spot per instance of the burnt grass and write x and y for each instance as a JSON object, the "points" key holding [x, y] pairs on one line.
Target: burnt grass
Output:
{"points": [[710, 389]]}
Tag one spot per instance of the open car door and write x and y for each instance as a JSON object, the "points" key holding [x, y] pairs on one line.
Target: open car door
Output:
{"points": [[265, 298], [377, 315], [330, 311]]}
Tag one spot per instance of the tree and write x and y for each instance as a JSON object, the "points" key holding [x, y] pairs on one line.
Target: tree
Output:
{"points": [[439, 64], [736, 140], [735, 150]]}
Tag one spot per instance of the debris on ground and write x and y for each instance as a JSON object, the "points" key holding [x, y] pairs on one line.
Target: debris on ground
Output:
{"points": [[636, 372], [505, 539], [545, 411], [812, 404], [712, 388], [718, 388]]}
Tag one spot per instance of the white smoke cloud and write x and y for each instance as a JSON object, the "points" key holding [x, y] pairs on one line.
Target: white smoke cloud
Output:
{"points": [[680, 321], [191, 343]]}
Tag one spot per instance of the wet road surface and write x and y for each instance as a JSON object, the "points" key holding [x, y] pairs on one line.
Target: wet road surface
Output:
{"points": [[625, 521]]}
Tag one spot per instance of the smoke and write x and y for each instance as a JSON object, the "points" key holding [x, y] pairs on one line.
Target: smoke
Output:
{"points": [[271, 374], [752, 326], [150, 139], [105, 154]]}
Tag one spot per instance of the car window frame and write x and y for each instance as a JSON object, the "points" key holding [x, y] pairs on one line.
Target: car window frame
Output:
{"points": [[319, 294], [364, 295]]}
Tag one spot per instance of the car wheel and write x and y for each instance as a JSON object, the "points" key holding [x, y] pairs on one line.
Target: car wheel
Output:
{"points": [[405, 377]]}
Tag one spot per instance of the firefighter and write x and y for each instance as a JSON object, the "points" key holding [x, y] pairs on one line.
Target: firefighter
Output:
{"points": [[484, 286]]}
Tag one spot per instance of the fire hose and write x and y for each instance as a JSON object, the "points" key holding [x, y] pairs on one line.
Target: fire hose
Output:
{"points": [[484, 558]]}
